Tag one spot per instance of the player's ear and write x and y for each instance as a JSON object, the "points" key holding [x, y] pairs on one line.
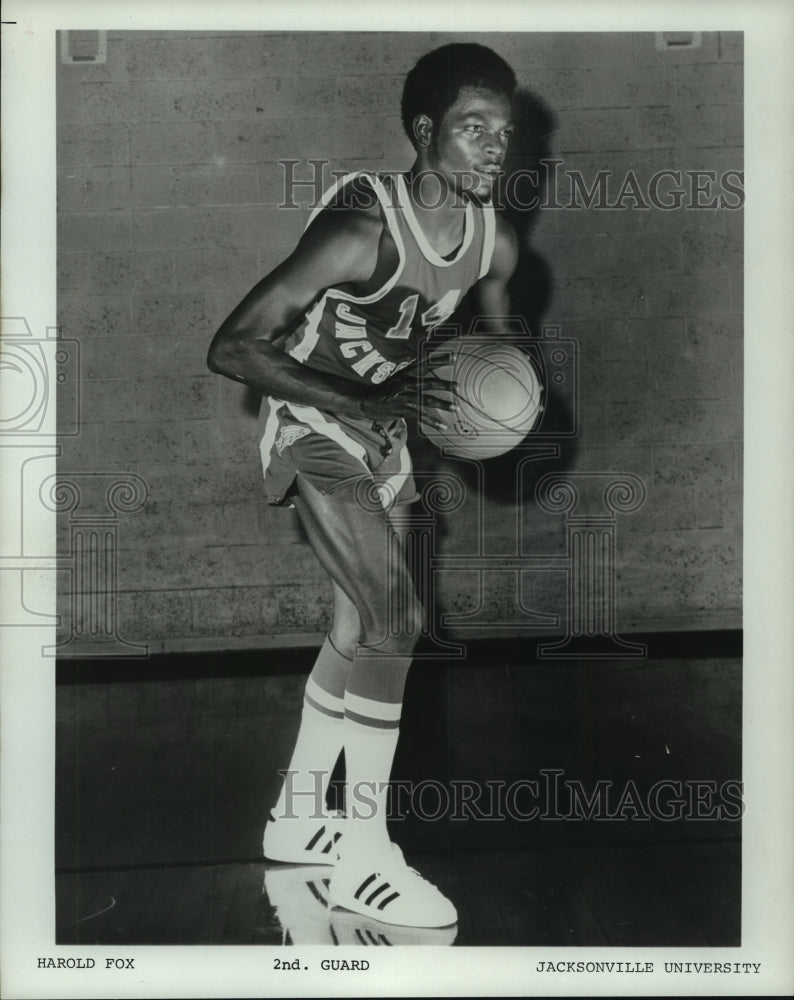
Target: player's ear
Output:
{"points": [[423, 130]]}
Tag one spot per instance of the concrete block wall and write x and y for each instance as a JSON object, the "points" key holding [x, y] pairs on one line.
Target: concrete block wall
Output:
{"points": [[169, 182]]}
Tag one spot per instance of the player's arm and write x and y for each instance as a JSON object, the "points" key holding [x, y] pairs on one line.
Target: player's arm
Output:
{"points": [[491, 298], [340, 246]]}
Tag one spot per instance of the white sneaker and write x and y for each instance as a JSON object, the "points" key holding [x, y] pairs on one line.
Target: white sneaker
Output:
{"points": [[384, 887], [304, 841]]}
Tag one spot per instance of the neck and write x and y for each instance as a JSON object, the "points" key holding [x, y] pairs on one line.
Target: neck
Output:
{"points": [[439, 209]]}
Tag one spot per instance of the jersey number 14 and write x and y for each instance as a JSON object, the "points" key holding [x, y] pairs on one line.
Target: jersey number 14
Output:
{"points": [[430, 317]]}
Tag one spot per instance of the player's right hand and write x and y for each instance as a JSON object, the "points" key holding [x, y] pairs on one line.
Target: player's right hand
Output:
{"points": [[403, 394]]}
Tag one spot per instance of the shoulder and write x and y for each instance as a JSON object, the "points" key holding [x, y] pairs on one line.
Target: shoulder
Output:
{"points": [[505, 249], [351, 207], [347, 229]]}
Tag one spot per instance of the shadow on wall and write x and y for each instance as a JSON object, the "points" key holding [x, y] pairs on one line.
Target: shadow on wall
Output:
{"points": [[519, 198], [530, 289]]}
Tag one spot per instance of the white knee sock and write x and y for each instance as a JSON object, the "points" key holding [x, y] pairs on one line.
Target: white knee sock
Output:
{"points": [[317, 748], [370, 738]]}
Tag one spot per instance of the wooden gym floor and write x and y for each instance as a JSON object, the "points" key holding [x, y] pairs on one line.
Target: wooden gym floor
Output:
{"points": [[166, 770], [651, 895]]}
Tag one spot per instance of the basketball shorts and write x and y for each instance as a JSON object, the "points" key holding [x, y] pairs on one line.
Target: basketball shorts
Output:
{"points": [[334, 453]]}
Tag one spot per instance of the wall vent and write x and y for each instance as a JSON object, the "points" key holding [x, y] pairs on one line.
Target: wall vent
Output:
{"points": [[80, 47], [677, 40]]}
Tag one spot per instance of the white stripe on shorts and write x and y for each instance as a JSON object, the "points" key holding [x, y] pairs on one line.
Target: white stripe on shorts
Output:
{"points": [[312, 417], [389, 490], [268, 414]]}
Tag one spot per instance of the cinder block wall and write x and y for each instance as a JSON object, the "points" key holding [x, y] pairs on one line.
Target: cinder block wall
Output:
{"points": [[169, 183]]}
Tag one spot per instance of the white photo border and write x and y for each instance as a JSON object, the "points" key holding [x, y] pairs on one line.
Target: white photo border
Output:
{"points": [[28, 689]]}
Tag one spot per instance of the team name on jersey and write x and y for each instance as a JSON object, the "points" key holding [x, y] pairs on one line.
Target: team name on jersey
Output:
{"points": [[355, 346]]}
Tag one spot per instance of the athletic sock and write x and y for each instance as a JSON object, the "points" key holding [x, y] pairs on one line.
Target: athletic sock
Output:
{"points": [[371, 731], [373, 705], [320, 737]]}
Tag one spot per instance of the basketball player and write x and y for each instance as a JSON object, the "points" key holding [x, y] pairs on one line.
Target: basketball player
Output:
{"points": [[330, 338]]}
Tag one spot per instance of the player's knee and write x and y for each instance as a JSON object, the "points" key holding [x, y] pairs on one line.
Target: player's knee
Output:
{"points": [[346, 635], [345, 632], [395, 626]]}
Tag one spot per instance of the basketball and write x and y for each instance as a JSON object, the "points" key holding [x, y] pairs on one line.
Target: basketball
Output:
{"points": [[498, 393]]}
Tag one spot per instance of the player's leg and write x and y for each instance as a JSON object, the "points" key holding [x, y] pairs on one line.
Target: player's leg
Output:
{"points": [[317, 748], [321, 737], [367, 561], [358, 547], [319, 741]]}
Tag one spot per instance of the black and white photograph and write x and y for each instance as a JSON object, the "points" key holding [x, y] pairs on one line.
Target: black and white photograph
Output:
{"points": [[397, 539]]}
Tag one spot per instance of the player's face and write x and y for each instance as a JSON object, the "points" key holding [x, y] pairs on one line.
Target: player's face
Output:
{"points": [[469, 147]]}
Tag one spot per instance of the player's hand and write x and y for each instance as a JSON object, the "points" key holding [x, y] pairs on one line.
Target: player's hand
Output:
{"points": [[405, 393]]}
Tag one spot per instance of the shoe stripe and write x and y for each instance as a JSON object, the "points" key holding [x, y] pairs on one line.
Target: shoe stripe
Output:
{"points": [[315, 838], [385, 902], [377, 892], [315, 892], [364, 884], [331, 843], [385, 940], [360, 936], [372, 937]]}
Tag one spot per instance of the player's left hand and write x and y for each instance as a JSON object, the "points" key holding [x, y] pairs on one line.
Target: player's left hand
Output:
{"points": [[405, 393]]}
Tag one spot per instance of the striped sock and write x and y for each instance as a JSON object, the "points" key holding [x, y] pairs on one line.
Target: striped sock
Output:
{"points": [[371, 730], [320, 737]]}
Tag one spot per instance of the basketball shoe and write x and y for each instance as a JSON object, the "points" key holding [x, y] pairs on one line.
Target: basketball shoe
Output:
{"points": [[384, 887], [299, 840]]}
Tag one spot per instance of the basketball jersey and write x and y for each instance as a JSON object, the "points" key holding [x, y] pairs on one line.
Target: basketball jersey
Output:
{"points": [[367, 338]]}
